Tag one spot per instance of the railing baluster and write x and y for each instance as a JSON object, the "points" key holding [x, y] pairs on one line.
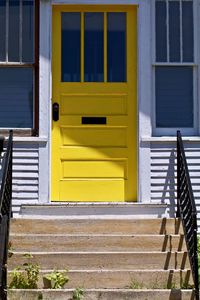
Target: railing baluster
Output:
{"points": [[186, 210], [5, 214]]}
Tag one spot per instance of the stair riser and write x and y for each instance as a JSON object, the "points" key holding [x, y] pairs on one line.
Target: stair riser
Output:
{"points": [[97, 243], [123, 279], [102, 295], [91, 261], [143, 226]]}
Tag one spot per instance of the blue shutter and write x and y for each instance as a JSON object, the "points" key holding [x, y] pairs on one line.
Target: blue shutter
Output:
{"points": [[16, 97], [174, 97]]}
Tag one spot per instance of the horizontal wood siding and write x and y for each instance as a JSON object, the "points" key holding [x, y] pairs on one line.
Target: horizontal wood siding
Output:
{"points": [[163, 172], [25, 174]]}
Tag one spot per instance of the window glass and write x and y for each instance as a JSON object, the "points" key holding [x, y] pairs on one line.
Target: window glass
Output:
{"points": [[13, 35], [174, 31], [2, 30], [161, 31], [188, 34], [16, 97], [180, 34], [116, 47], [93, 47], [174, 97], [27, 31], [71, 38]]}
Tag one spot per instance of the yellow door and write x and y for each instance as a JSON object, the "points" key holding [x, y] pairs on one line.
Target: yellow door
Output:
{"points": [[94, 103]]}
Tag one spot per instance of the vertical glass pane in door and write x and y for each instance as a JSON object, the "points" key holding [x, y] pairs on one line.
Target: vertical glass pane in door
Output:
{"points": [[93, 47], [116, 47], [71, 45]]}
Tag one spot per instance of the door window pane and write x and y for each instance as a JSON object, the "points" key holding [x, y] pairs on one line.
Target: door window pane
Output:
{"points": [[93, 47], [188, 34], [16, 97], [28, 31], [2, 30], [174, 97], [116, 47], [161, 31], [71, 40], [13, 35]]}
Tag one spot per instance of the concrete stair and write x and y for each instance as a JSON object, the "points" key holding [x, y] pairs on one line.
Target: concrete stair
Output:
{"points": [[109, 258]]}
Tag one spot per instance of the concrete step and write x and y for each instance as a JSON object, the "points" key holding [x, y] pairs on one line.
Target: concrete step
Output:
{"points": [[97, 209], [63, 242], [109, 279], [102, 294], [97, 226], [104, 260]]}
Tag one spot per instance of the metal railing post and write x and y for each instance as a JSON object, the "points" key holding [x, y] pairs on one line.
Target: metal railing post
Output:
{"points": [[5, 214], [185, 198]]}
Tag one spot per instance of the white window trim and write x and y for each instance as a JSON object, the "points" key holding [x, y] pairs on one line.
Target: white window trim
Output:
{"points": [[196, 85]]}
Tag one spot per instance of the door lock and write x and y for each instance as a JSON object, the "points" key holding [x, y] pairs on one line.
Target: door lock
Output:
{"points": [[55, 111]]}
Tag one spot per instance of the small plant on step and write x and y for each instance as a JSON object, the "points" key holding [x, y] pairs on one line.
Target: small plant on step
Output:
{"points": [[155, 284], [198, 251], [10, 249], [198, 244], [135, 285], [78, 294], [186, 286], [55, 279], [18, 280], [25, 277]]}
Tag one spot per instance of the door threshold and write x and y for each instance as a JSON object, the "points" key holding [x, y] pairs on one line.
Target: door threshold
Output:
{"points": [[95, 210]]}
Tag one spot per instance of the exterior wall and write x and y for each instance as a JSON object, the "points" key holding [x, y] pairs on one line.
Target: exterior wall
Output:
{"points": [[163, 172], [25, 174], [156, 155], [31, 165], [26, 169]]}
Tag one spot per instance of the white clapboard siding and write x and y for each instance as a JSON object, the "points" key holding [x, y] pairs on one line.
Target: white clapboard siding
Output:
{"points": [[163, 172], [25, 174]]}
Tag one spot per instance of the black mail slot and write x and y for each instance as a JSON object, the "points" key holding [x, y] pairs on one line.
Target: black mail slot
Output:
{"points": [[94, 120]]}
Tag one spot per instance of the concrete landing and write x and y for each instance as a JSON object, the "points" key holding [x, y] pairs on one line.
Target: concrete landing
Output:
{"points": [[95, 210]]}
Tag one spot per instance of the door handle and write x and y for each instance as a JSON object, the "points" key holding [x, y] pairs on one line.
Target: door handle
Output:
{"points": [[55, 111]]}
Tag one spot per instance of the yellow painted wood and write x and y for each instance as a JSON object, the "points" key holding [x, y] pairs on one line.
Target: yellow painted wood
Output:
{"points": [[94, 104], [94, 169], [108, 190], [94, 153], [94, 136], [92, 162]]}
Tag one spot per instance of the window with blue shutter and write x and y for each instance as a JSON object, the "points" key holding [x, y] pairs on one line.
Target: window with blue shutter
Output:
{"points": [[174, 64], [18, 64]]}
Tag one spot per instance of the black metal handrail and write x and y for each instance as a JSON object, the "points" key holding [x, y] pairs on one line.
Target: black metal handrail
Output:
{"points": [[5, 214], [186, 210]]}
